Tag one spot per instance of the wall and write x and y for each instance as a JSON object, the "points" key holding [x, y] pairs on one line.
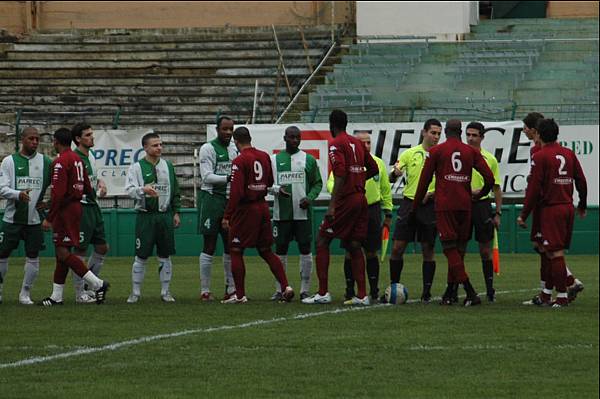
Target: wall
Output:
{"points": [[445, 20], [59, 15]]}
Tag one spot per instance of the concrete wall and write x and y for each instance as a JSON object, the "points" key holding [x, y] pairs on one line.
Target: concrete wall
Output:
{"points": [[445, 20], [50, 15]]}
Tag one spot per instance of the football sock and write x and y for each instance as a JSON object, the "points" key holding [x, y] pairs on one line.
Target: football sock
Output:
{"points": [[3, 269], [428, 274], [449, 293], [276, 267], [229, 283], [358, 270], [373, 275], [396, 266], [323, 268], [488, 274], [547, 272], [306, 264], [283, 260], [205, 269], [456, 266], [570, 278], [239, 273], [60, 273], [95, 262], [559, 274], [57, 292], [92, 281], [74, 263], [348, 276], [469, 288], [31, 271], [138, 270], [78, 281], [165, 271]]}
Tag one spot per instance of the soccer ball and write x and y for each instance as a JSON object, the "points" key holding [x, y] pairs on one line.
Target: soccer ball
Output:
{"points": [[396, 294]]}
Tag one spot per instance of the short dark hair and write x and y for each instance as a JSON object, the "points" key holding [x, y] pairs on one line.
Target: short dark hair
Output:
{"points": [[242, 135], [220, 119], [547, 129], [431, 122], [532, 118], [78, 129], [63, 136], [338, 119], [453, 127], [292, 129], [478, 126], [28, 130], [149, 136]]}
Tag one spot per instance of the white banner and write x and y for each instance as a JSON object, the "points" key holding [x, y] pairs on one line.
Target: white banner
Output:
{"points": [[503, 139]]}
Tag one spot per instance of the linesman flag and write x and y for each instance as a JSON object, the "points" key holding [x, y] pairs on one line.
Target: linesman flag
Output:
{"points": [[385, 239], [496, 254]]}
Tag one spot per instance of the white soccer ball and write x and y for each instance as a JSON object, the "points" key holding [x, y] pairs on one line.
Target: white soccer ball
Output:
{"points": [[396, 294]]}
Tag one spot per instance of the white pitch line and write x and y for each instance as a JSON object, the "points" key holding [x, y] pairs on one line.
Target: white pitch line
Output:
{"points": [[143, 340]]}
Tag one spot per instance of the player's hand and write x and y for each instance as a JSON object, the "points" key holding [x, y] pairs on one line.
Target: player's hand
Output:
{"points": [[225, 224], [24, 195], [521, 222], [46, 225], [150, 191], [102, 190], [496, 221], [41, 205], [428, 196], [176, 220], [387, 221], [304, 203], [582, 213], [284, 193]]}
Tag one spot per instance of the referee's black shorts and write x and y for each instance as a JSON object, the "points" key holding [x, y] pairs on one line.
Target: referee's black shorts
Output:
{"points": [[423, 230], [482, 217]]}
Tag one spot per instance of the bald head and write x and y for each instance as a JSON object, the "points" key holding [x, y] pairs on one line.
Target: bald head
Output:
{"points": [[453, 128], [29, 130]]}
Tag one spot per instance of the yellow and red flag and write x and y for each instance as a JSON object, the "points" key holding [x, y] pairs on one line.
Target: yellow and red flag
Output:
{"points": [[385, 239], [496, 254]]}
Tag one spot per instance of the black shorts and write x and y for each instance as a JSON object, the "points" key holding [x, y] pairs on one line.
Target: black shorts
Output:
{"points": [[373, 241], [423, 231], [482, 217]]}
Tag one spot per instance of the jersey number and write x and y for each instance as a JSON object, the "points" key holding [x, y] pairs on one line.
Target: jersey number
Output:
{"points": [[456, 164], [79, 169], [562, 161], [258, 170]]}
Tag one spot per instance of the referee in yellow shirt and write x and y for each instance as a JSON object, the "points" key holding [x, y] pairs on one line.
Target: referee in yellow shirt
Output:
{"points": [[379, 197]]}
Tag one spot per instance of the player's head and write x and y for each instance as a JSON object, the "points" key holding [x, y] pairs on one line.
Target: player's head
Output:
{"points": [[548, 130], [152, 144], [241, 137], [292, 138], [432, 131], [30, 139], [224, 129], [83, 135], [365, 137], [338, 120], [453, 128], [62, 139], [529, 124], [475, 132]]}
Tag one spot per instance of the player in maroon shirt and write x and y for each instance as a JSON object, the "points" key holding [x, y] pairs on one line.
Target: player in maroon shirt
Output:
{"points": [[453, 163], [346, 217], [247, 215], [554, 169], [69, 182]]}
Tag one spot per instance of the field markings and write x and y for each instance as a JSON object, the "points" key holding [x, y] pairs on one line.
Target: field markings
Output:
{"points": [[260, 322]]}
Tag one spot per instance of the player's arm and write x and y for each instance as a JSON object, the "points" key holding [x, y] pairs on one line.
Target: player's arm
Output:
{"points": [[424, 180], [385, 188], [338, 164], [237, 190], [175, 196], [534, 188], [208, 158], [580, 186], [399, 168], [134, 186], [370, 164], [315, 183], [59, 189], [497, 193], [6, 182]]}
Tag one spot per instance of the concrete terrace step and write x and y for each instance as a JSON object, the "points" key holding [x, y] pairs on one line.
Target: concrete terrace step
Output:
{"points": [[138, 90], [132, 81]]}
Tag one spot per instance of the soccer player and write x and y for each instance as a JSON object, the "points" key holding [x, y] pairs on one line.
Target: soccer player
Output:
{"points": [[298, 180], [69, 183], [379, 197], [347, 214], [554, 169], [574, 285], [453, 163], [215, 172], [410, 163], [24, 178], [247, 215], [484, 219], [152, 183], [92, 225]]}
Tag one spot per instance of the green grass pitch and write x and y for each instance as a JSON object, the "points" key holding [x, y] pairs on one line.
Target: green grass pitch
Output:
{"points": [[263, 349]]}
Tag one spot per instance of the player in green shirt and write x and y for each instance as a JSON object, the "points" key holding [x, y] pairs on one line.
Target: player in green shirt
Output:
{"points": [[297, 184], [92, 225], [379, 197], [483, 218], [24, 178], [410, 164]]}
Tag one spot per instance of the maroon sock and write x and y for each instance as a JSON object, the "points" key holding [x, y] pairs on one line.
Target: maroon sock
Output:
{"points": [[74, 263], [358, 271], [322, 268], [238, 269], [570, 280], [60, 272], [559, 274], [546, 272], [456, 266], [276, 267]]}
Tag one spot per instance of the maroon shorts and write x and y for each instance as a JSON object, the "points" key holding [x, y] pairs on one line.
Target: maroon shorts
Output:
{"points": [[65, 226], [350, 221], [536, 231], [250, 226], [556, 224], [453, 225]]}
